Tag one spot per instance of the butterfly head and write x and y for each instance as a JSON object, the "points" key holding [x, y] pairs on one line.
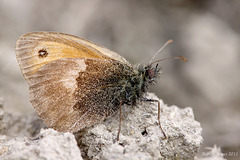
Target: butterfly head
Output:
{"points": [[152, 73], [148, 75]]}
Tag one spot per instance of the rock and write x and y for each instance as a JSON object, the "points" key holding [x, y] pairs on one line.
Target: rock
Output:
{"points": [[47, 145], [140, 137]]}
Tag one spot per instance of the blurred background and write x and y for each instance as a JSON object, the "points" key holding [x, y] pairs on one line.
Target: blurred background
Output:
{"points": [[204, 31]]}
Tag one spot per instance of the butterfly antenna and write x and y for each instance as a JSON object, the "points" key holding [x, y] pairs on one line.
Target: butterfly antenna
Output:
{"points": [[176, 57], [168, 42]]}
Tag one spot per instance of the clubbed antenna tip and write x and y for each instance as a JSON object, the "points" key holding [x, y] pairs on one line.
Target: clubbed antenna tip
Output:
{"points": [[182, 58]]}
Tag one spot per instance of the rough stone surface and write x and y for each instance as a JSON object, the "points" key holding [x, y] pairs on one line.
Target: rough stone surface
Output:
{"points": [[140, 137], [47, 145]]}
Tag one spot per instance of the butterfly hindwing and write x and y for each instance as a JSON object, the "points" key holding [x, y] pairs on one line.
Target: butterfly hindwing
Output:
{"points": [[72, 93]]}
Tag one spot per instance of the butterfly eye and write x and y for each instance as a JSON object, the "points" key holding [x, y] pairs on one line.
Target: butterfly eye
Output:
{"points": [[151, 73], [42, 53]]}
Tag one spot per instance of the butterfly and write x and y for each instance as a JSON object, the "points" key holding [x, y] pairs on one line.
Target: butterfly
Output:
{"points": [[75, 83]]}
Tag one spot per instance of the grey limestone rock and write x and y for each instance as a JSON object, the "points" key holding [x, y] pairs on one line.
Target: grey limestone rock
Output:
{"points": [[47, 145], [140, 137]]}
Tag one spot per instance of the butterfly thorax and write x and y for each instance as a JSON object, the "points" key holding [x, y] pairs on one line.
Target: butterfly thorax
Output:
{"points": [[137, 82]]}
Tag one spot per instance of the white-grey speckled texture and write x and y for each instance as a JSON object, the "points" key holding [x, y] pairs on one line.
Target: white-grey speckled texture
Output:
{"points": [[140, 138]]}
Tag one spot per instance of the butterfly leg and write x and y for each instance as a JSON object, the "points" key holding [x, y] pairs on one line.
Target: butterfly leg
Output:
{"points": [[120, 119], [159, 110]]}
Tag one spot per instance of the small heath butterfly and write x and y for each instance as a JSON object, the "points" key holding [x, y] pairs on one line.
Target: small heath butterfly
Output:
{"points": [[75, 83]]}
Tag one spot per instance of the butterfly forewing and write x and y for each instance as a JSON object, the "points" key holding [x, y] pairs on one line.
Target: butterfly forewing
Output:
{"points": [[36, 49]]}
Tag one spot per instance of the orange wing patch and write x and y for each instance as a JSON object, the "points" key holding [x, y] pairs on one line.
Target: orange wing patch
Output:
{"points": [[36, 49]]}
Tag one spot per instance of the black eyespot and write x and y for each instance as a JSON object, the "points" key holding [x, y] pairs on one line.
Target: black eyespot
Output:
{"points": [[42, 53]]}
